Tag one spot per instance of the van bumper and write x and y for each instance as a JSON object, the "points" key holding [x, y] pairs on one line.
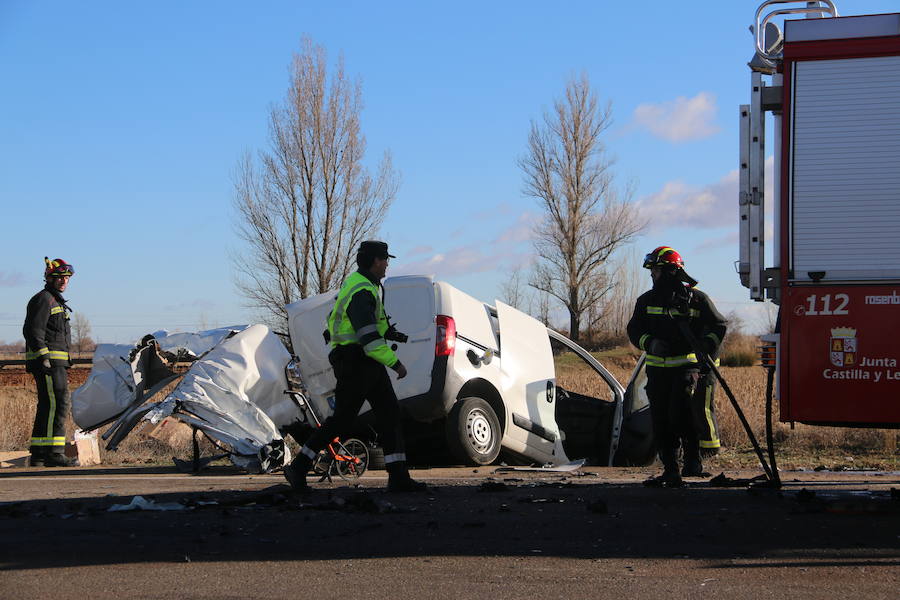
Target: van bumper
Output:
{"points": [[431, 405]]}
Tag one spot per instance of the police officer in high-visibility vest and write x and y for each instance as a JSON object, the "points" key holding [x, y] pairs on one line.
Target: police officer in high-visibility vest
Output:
{"points": [[47, 340], [359, 330], [672, 323]]}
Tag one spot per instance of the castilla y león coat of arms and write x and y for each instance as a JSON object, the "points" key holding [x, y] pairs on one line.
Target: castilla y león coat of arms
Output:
{"points": [[843, 347]]}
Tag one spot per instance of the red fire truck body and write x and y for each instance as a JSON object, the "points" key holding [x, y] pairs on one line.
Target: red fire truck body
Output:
{"points": [[835, 95]]}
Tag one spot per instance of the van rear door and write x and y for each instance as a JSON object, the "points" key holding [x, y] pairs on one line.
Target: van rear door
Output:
{"points": [[307, 319], [526, 362], [409, 303]]}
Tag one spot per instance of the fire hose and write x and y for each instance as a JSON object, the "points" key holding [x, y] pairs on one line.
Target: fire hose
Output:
{"points": [[770, 470]]}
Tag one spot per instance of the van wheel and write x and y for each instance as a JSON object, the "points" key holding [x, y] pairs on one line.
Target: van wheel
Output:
{"points": [[473, 432]]}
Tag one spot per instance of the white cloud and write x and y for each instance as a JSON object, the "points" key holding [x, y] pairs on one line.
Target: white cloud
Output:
{"points": [[456, 261], [729, 240], [11, 278], [678, 204], [420, 250], [681, 119], [520, 231], [506, 249]]}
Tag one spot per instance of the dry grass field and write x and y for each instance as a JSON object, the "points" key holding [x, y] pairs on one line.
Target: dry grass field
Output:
{"points": [[801, 447], [18, 399]]}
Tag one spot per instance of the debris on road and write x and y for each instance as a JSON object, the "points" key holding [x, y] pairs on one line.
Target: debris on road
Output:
{"points": [[566, 468], [722, 480], [141, 503], [493, 486]]}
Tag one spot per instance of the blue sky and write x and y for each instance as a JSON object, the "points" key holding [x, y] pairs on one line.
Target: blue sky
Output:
{"points": [[122, 124]]}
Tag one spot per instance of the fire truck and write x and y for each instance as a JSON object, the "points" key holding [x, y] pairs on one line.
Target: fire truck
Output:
{"points": [[831, 85]]}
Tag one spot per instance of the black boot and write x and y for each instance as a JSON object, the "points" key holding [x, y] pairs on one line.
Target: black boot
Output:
{"points": [[400, 481], [693, 467], [295, 473], [59, 460], [669, 479]]}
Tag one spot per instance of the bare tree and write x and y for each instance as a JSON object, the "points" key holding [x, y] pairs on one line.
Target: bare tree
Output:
{"points": [[306, 202], [513, 291], [617, 308], [566, 168], [769, 317], [81, 333], [543, 308]]}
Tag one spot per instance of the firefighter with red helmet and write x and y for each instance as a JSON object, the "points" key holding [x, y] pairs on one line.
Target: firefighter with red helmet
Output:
{"points": [[675, 324], [47, 340]]}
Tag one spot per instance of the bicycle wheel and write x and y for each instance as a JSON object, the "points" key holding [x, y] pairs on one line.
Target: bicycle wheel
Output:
{"points": [[351, 459]]}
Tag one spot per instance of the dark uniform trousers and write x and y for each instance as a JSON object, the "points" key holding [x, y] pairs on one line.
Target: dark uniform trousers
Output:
{"points": [[360, 378], [704, 410], [670, 391], [54, 404]]}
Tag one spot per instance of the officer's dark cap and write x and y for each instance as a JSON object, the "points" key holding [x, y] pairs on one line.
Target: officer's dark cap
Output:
{"points": [[374, 248]]}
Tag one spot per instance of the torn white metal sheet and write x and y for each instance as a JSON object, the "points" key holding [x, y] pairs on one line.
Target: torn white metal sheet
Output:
{"points": [[234, 392], [195, 343], [110, 387]]}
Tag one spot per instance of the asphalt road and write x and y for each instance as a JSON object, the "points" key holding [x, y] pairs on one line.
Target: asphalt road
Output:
{"points": [[595, 533]]}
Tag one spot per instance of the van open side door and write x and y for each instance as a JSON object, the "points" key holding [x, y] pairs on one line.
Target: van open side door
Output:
{"points": [[526, 362]]}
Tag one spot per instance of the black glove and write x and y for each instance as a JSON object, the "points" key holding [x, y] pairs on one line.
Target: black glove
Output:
{"points": [[46, 367], [395, 336], [658, 347], [709, 347]]}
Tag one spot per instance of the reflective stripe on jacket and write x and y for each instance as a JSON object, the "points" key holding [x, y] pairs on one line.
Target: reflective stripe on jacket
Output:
{"points": [[655, 318], [368, 334], [46, 329]]}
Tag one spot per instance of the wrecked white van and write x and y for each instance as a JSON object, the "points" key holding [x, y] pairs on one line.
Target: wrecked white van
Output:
{"points": [[481, 380]]}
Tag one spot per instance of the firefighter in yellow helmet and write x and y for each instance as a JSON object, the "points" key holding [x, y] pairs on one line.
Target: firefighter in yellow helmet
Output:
{"points": [[671, 323], [47, 341], [358, 330]]}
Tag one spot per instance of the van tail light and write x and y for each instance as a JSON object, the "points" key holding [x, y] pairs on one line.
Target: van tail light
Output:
{"points": [[445, 338]]}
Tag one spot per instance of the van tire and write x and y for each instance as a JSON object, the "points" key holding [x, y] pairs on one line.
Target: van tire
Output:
{"points": [[473, 432]]}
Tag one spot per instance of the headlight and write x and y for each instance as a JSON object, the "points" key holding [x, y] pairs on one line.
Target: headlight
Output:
{"points": [[293, 376]]}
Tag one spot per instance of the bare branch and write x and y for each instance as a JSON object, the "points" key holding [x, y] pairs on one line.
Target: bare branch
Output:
{"points": [[567, 170], [307, 201]]}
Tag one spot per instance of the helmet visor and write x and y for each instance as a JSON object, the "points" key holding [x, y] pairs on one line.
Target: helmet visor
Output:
{"points": [[63, 270], [650, 260]]}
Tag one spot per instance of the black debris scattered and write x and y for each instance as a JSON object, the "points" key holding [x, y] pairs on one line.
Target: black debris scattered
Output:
{"points": [[722, 480], [493, 486], [805, 495]]}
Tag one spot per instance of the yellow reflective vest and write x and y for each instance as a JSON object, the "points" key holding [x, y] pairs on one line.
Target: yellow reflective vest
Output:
{"points": [[369, 335]]}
